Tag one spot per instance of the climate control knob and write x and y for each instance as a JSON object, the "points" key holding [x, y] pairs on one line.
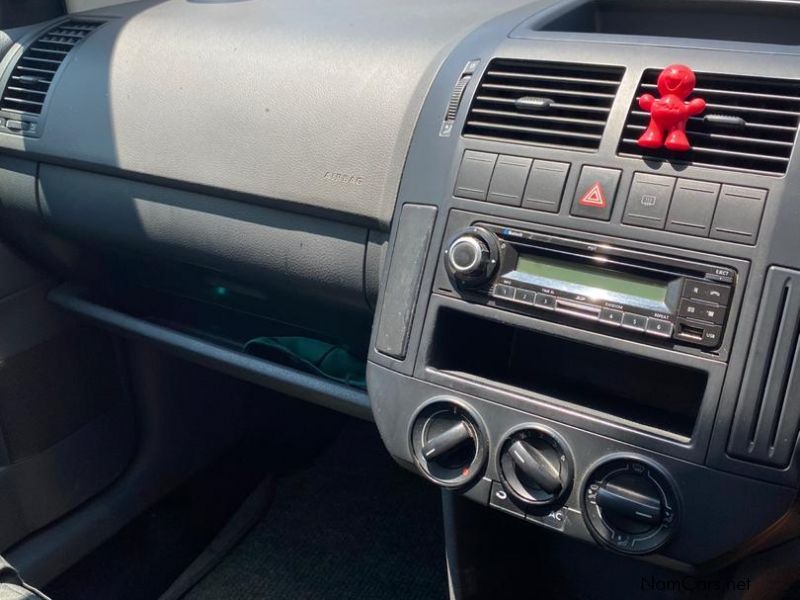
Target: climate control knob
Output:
{"points": [[535, 467], [448, 442], [630, 505], [471, 257]]}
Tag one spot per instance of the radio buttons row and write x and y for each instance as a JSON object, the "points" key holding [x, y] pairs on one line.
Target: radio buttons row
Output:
{"points": [[710, 292], [713, 313], [607, 316]]}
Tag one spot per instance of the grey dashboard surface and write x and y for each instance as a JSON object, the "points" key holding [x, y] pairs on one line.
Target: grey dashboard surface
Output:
{"points": [[305, 102]]}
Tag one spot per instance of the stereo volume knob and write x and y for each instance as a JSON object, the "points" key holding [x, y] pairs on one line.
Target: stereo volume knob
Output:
{"points": [[471, 257], [467, 254]]}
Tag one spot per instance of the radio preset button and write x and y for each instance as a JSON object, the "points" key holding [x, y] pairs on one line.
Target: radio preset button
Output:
{"points": [[634, 322], [545, 301], [611, 316], [711, 292], [659, 327], [505, 292], [712, 313], [524, 296]]}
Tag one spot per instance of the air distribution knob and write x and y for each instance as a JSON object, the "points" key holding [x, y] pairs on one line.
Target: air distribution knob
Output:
{"points": [[630, 505], [448, 442], [471, 257], [535, 467]]}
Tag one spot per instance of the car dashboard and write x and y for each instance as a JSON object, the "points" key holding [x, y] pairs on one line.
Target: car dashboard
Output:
{"points": [[557, 323]]}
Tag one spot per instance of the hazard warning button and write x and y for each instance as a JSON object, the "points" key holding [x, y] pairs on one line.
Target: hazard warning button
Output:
{"points": [[594, 196]]}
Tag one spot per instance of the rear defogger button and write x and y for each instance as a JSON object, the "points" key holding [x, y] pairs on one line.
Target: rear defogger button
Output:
{"points": [[648, 200]]}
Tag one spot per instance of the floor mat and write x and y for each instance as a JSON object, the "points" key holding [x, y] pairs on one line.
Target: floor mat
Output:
{"points": [[150, 552], [354, 525]]}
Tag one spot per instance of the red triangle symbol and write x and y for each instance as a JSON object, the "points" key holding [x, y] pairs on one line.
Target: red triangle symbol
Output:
{"points": [[594, 197]]}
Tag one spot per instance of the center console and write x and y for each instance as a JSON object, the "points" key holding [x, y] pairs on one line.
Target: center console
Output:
{"points": [[595, 338]]}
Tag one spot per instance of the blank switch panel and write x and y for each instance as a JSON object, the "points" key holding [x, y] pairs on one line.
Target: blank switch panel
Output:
{"points": [[508, 180], [475, 174], [738, 214]]}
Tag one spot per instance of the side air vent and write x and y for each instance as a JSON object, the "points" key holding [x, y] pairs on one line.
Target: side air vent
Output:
{"points": [[750, 123], [30, 80], [765, 424], [544, 103]]}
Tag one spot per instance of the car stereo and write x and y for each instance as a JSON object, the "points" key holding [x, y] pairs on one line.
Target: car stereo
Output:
{"points": [[642, 293]]}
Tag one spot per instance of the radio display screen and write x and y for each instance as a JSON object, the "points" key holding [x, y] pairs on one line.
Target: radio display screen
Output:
{"points": [[594, 282]]}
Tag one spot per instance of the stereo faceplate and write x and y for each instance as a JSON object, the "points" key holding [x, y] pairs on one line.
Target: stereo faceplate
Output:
{"points": [[658, 297]]}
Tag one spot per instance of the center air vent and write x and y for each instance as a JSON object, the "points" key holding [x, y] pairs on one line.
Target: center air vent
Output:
{"points": [[30, 80], [749, 123], [544, 103]]}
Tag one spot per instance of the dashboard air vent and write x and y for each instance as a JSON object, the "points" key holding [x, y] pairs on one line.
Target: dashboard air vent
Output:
{"points": [[30, 80], [749, 123], [544, 103]]}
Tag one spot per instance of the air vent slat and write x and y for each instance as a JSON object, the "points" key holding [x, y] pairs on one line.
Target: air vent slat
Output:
{"points": [[783, 129], [556, 78], [48, 50], [554, 105], [535, 117], [521, 128], [543, 103], [42, 60], [726, 137], [60, 41], [752, 123], [35, 70], [30, 80], [543, 90], [705, 92], [19, 101], [12, 88], [715, 106], [696, 149]]}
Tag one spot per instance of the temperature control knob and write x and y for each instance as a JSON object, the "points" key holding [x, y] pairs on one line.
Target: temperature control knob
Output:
{"points": [[471, 257], [448, 442], [535, 467], [630, 505]]}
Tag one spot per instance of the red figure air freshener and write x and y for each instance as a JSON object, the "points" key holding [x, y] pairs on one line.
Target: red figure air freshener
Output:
{"points": [[668, 114]]}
